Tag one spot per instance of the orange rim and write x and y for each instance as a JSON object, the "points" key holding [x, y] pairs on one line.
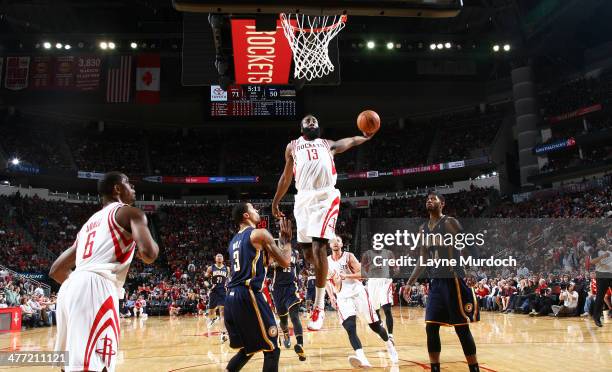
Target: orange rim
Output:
{"points": [[320, 29]]}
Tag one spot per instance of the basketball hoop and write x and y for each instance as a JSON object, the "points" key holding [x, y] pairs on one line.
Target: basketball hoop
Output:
{"points": [[309, 38]]}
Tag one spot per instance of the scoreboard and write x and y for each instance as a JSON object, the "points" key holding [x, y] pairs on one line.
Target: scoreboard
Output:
{"points": [[252, 101]]}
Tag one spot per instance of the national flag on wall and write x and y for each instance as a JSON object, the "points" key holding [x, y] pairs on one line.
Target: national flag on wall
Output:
{"points": [[147, 78], [119, 79]]}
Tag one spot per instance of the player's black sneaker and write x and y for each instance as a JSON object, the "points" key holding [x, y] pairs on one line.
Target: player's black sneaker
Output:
{"points": [[286, 341], [299, 350]]}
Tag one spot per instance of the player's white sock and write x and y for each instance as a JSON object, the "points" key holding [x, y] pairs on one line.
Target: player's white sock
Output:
{"points": [[319, 297]]}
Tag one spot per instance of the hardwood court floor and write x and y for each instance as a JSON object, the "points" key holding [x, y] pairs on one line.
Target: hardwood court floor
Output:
{"points": [[504, 342]]}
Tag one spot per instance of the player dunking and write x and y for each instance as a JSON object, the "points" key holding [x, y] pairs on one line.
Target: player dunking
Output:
{"points": [[352, 300], [287, 301], [87, 303], [451, 302], [311, 160], [216, 297], [249, 320]]}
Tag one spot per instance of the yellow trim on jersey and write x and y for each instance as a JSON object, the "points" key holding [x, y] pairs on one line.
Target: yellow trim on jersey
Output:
{"points": [[446, 324], [459, 298], [475, 303], [253, 267], [262, 328]]}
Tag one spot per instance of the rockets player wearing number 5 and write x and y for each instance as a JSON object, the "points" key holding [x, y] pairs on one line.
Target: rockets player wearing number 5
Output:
{"points": [[87, 303], [310, 160]]}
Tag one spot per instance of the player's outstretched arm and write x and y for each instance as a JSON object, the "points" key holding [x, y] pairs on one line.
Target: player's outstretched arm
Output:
{"points": [[340, 146], [262, 239], [62, 267], [283, 183], [135, 221]]}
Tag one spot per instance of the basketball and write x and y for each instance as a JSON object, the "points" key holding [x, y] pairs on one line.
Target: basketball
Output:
{"points": [[368, 122]]}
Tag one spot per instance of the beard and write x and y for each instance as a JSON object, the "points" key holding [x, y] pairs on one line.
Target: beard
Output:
{"points": [[311, 133]]}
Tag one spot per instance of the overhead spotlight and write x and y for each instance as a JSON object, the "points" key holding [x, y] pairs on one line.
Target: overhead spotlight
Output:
{"points": [[80, 44], [103, 45], [133, 45], [496, 48], [398, 46], [440, 46], [37, 46], [507, 47], [432, 46], [58, 45], [111, 45], [15, 161], [390, 45], [47, 45], [370, 44], [67, 46], [459, 47], [494, 174], [447, 45]]}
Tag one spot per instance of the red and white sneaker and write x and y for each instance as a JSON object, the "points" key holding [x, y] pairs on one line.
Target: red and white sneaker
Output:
{"points": [[316, 319]]}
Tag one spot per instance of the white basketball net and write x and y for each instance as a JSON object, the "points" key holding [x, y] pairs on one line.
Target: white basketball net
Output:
{"points": [[309, 38]]}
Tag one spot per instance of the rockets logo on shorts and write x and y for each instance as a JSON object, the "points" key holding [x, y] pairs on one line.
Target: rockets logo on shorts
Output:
{"points": [[105, 349], [103, 334]]}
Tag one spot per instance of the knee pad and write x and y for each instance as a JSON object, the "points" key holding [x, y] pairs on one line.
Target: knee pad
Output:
{"points": [[350, 323], [271, 359], [380, 330], [238, 361], [466, 339], [387, 309], [433, 338]]}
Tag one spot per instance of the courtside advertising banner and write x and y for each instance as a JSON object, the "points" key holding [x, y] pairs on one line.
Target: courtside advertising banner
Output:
{"points": [[260, 57]]}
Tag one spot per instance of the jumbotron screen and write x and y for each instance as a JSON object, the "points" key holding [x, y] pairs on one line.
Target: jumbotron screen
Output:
{"points": [[253, 101]]}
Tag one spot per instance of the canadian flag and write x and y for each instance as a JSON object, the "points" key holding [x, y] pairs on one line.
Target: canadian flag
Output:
{"points": [[147, 78]]}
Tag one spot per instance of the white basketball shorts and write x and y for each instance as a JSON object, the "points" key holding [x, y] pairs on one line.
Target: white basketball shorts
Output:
{"points": [[88, 322], [358, 305], [381, 291], [316, 212]]}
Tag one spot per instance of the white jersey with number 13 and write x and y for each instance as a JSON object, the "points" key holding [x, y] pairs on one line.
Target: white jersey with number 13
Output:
{"points": [[313, 164]]}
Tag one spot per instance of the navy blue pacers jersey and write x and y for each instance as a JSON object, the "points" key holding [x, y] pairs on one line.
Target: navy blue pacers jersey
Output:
{"points": [[248, 264], [438, 251], [284, 277], [285, 286], [219, 278], [451, 302], [249, 320]]}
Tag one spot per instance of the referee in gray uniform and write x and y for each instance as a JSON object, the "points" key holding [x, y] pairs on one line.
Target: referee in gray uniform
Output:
{"points": [[602, 259]]}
